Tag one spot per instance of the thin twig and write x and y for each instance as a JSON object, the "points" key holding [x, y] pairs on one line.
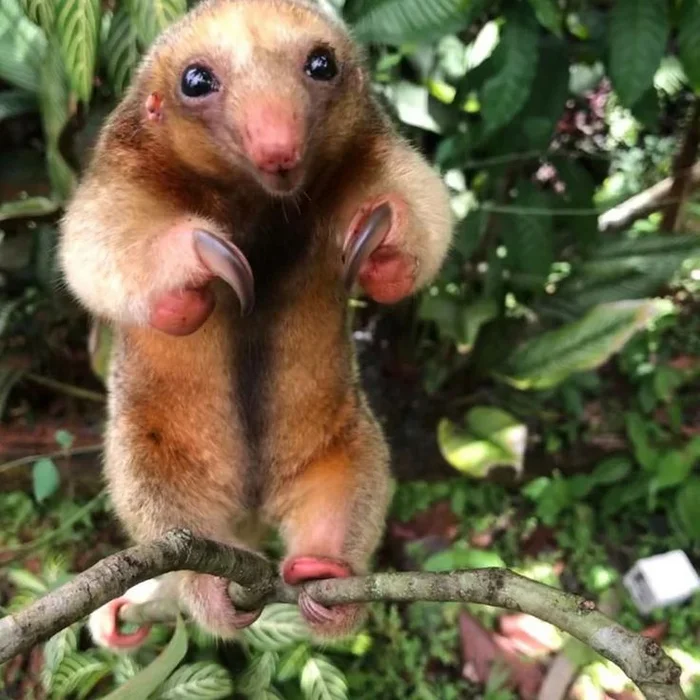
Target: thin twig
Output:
{"points": [[640, 658], [63, 388], [58, 454]]}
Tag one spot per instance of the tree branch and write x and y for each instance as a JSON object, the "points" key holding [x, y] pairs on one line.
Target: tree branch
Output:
{"points": [[256, 582]]}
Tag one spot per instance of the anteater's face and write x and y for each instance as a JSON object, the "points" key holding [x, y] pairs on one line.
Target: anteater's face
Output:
{"points": [[267, 86]]}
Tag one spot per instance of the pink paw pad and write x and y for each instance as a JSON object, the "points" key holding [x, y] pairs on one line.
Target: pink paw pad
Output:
{"points": [[111, 634]]}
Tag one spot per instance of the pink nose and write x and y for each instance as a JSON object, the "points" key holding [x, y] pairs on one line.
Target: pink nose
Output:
{"points": [[272, 137]]}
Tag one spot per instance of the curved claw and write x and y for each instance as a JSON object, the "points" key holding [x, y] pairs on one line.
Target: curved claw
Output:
{"points": [[226, 261], [358, 248]]}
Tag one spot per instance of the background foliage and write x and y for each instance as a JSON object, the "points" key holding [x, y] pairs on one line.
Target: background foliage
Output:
{"points": [[553, 344]]}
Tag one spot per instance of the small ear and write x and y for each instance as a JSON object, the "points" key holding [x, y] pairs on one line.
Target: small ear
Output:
{"points": [[154, 107]]}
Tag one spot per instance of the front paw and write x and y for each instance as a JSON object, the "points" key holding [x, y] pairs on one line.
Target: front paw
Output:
{"points": [[325, 622], [376, 251]]}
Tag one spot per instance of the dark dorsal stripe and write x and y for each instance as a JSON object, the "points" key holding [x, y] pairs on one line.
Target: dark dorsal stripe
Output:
{"points": [[277, 246]]}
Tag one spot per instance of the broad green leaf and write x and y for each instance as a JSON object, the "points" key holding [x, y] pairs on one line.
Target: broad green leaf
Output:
{"points": [[125, 667], [321, 680], [55, 650], [150, 678], [548, 359], [474, 316], [612, 470], [56, 109], [14, 103], [100, 348], [412, 104], [278, 626], [41, 12], [22, 47], [203, 680], [78, 674], [549, 14], [77, 29], [120, 50], [402, 21], [638, 33], [687, 508], [528, 236], [151, 18], [27, 208], [670, 78], [673, 468], [45, 479], [489, 438], [259, 673], [644, 452], [688, 45], [292, 663], [505, 94]]}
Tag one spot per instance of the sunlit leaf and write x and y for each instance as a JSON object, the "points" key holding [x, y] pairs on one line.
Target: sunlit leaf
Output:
{"points": [[548, 359], [22, 47], [55, 650], [638, 33], [41, 12], [77, 29], [259, 673], [489, 438], [78, 674], [278, 626], [203, 680], [321, 680], [151, 18], [292, 663], [125, 667], [27, 208]]}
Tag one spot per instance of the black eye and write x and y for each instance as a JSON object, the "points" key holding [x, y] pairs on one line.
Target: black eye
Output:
{"points": [[198, 81], [320, 65]]}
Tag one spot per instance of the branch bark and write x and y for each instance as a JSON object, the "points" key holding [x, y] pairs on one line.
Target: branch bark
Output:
{"points": [[257, 583]]}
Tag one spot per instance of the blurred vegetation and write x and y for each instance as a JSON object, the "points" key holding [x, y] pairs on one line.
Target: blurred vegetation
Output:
{"points": [[556, 344]]}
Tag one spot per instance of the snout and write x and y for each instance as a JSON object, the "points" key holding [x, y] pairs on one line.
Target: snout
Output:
{"points": [[273, 137]]}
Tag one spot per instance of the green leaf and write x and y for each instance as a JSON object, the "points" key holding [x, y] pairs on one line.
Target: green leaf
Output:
{"points": [[55, 650], [120, 50], [203, 680], [78, 674], [403, 21], [612, 470], [490, 438], [638, 33], [41, 12], [259, 673], [125, 667], [151, 18], [292, 663], [278, 626], [528, 237], [15, 103], [638, 435], [412, 104], [27, 208], [688, 45], [505, 94], [321, 680], [548, 359], [56, 110], [549, 15], [673, 469], [22, 47], [77, 29], [150, 678], [64, 439], [45, 478], [461, 557], [687, 508]]}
